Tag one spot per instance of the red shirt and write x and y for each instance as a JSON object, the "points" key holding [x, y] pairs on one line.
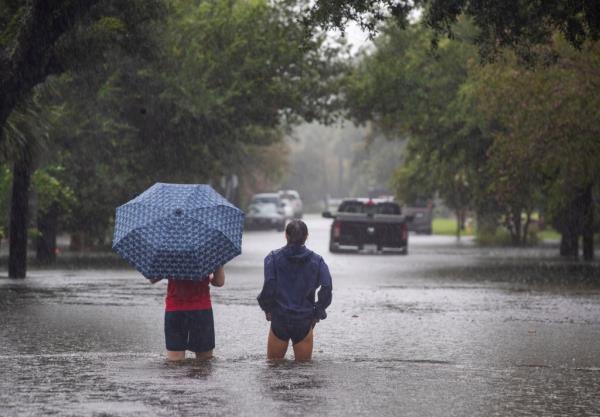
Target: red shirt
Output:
{"points": [[185, 294]]}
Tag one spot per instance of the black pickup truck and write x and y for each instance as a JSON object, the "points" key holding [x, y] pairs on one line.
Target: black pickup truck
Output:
{"points": [[363, 223]]}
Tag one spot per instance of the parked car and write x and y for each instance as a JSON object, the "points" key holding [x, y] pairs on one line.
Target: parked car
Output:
{"points": [[332, 204], [293, 197], [363, 223], [266, 211], [421, 218], [288, 210]]}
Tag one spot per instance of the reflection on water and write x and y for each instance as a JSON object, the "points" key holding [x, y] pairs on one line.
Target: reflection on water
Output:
{"points": [[445, 331], [545, 274], [132, 385], [198, 369], [297, 388]]}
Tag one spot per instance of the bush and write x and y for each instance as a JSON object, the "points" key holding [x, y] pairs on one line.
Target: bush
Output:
{"points": [[501, 237]]}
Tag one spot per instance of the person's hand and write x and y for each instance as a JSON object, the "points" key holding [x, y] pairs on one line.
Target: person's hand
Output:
{"points": [[217, 278], [268, 316]]}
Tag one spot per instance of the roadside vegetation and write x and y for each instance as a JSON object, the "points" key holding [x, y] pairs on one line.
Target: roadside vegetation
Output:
{"points": [[500, 141], [100, 99], [143, 92], [446, 226]]}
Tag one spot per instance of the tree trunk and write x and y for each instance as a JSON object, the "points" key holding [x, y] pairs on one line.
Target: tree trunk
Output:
{"points": [[46, 242], [588, 244], [564, 245], [31, 58], [463, 219], [77, 239], [516, 219], [569, 244], [19, 207], [588, 225], [458, 223], [571, 223], [524, 239]]}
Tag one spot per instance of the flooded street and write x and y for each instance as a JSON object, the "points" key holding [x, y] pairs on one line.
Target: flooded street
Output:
{"points": [[450, 330]]}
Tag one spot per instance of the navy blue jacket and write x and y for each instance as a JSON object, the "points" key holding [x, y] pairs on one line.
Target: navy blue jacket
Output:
{"points": [[292, 276]]}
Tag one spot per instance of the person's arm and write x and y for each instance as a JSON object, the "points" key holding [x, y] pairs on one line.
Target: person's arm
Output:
{"points": [[218, 278], [154, 280], [266, 298], [325, 292]]}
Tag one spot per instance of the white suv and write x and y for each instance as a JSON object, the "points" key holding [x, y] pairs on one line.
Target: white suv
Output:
{"points": [[294, 199], [266, 210]]}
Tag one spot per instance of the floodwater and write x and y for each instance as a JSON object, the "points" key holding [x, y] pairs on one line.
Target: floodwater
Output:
{"points": [[449, 330]]}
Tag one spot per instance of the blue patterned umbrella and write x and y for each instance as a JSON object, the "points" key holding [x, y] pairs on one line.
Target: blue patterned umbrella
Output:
{"points": [[180, 231]]}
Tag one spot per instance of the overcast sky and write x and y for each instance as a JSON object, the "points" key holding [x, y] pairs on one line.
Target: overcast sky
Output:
{"points": [[359, 38], [355, 35]]}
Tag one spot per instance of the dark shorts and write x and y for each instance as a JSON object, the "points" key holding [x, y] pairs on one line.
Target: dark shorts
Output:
{"points": [[295, 329], [192, 330]]}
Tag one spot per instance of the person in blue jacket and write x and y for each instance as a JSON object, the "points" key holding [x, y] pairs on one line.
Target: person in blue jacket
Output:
{"points": [[293, 274]]}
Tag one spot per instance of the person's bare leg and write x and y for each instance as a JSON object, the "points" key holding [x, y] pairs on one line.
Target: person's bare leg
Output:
{"points": [[175, 355], [303, 349], [276, 347], [204, 355]]}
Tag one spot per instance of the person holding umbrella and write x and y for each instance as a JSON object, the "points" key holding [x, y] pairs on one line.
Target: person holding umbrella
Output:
{"points": [[292, 276], [189, 323], [184, 233]]}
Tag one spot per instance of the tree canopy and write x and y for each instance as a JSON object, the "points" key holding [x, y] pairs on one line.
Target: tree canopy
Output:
{"points": [[141, 92], [407, 90], [518, 24], [39, 38], [208, 92], [503, 139]]}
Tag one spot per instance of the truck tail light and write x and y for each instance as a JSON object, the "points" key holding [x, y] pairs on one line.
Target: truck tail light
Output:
{"points": [[404, 231], [337, 229]]}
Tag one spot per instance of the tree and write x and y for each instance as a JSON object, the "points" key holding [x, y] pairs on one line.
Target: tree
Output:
{"points": [[40, 37], [546, 132], [214, 98], [37, 39], [54, 201], [24, 133], [409, 91], [372, 162], [519, 24]]}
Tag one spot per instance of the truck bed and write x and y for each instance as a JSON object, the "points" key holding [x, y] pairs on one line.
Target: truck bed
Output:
{"points": [[383, 231]]}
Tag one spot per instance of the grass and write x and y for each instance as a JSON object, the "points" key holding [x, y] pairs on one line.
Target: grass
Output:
{"points": [[549, 234], [447, 227]]}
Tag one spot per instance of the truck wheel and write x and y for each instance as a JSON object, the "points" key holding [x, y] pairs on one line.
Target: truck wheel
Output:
{"points": [[334, 248], [281, 227], [404, 251]]}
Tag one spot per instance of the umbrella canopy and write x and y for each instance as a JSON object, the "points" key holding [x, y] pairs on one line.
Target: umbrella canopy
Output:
{"points": [[179, 231]]}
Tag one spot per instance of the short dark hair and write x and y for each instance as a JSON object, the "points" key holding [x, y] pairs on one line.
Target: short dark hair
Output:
{"points": [[296, 232]]}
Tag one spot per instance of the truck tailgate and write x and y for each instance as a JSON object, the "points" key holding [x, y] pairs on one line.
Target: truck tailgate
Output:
{"points": [[380, 229]]}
